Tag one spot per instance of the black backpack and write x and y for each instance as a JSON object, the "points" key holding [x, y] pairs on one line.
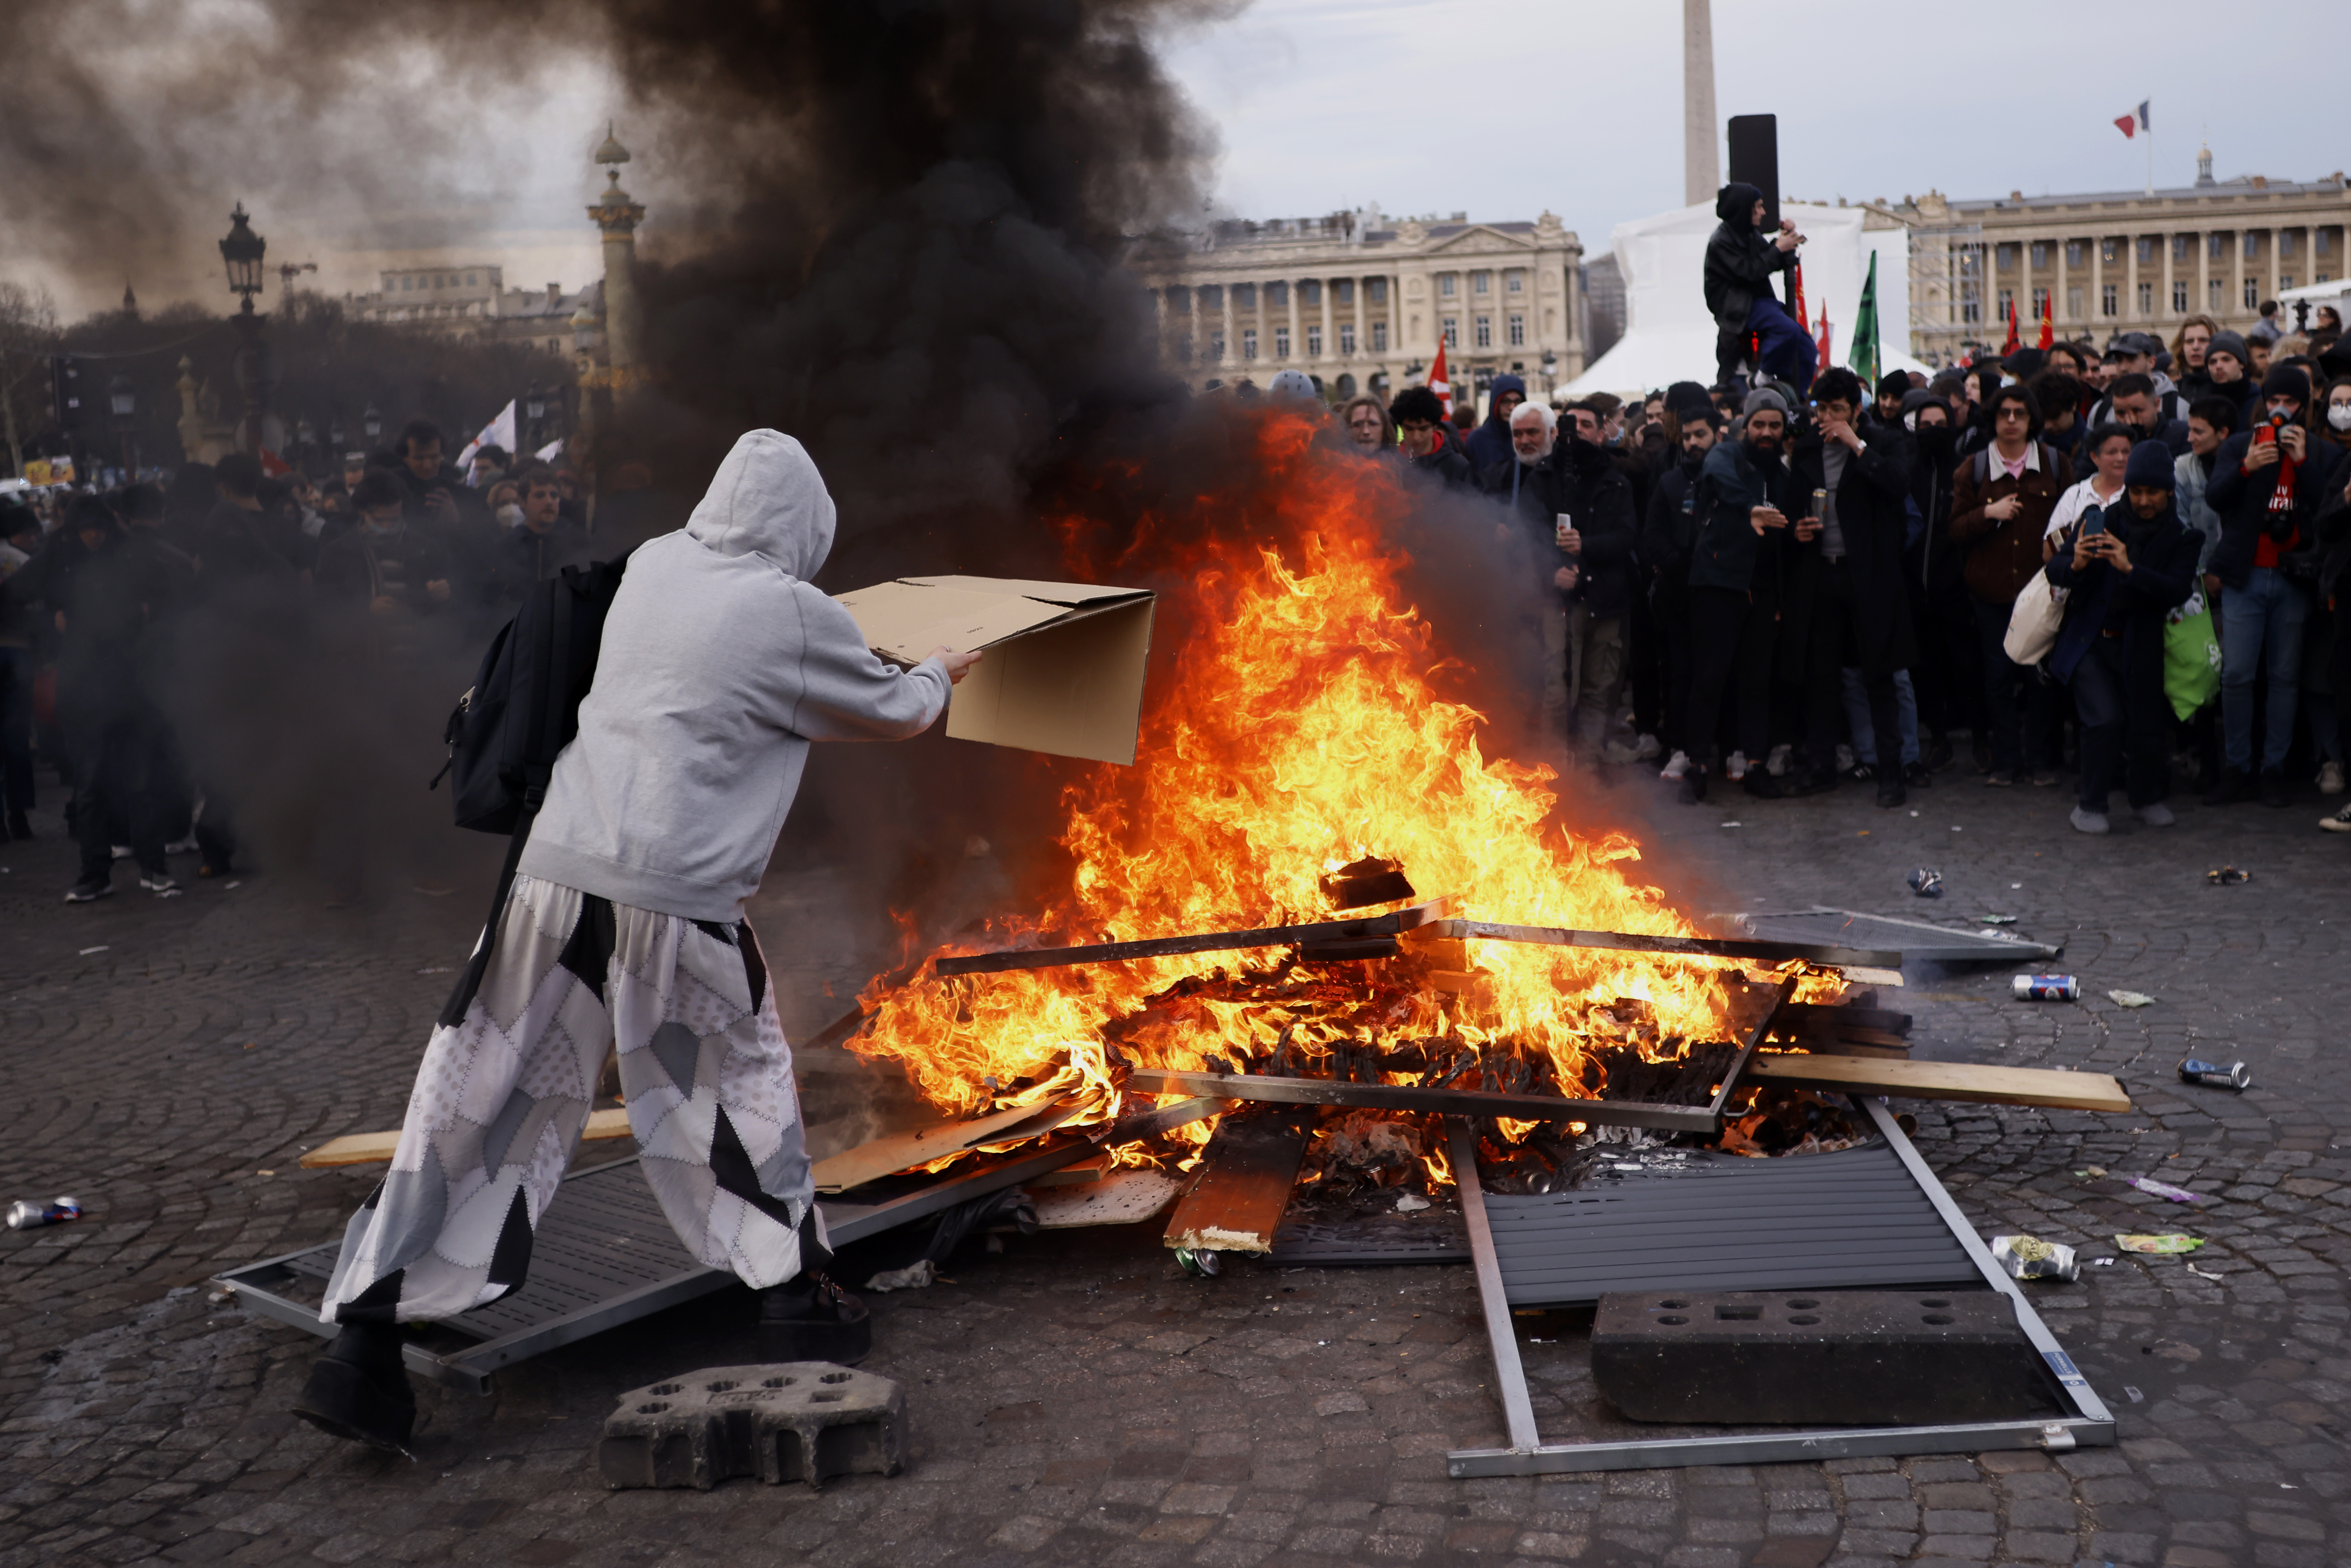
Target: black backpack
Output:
{"points": [[523, 708], [521, 711]]}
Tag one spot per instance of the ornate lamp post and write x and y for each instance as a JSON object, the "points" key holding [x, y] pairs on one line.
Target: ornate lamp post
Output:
{"points": [[241, 253], [124, 403]]}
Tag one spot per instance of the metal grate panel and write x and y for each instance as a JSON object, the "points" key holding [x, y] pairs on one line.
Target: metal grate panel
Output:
{"points": [[1850, 1218]]}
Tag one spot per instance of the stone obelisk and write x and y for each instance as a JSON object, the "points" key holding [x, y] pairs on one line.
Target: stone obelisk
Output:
{"points": [[1701, 151]]}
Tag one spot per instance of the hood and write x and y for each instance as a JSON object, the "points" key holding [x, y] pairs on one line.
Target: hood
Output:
{"points": [[767, 500], [1735, 204], [1505, 382]]}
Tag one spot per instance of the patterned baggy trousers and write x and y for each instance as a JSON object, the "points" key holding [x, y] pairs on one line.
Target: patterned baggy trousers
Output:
{"points": [[504, 1093]]}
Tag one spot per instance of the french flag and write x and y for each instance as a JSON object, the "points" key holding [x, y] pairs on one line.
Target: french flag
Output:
{"points": [[2133, 122]]}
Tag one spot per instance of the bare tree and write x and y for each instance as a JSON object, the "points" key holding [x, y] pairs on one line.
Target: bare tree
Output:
{"points": [[28, 334]]}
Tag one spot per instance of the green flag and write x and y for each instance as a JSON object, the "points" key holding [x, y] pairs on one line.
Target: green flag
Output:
{"points": [[1863, 360]]}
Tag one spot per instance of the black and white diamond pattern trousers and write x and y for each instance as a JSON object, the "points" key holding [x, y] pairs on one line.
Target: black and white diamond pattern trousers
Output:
{"points": [[504, 1093]]}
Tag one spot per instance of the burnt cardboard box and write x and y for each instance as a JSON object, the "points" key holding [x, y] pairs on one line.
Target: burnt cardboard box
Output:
{"points": [[1065, 661], [1863, 1358]]}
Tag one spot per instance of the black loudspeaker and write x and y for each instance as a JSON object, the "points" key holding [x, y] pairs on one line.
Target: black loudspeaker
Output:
{"points": [[1755, 160]]}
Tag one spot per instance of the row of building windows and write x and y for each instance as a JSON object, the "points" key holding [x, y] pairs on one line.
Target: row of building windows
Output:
{"points": [[438, 280], [1211, 296], [1481, 330], [1347, 341], [2216, 248], [2110, 297]]}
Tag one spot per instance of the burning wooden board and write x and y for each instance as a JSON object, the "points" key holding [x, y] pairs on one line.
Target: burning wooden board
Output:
{"points": [[1243, 1184]]}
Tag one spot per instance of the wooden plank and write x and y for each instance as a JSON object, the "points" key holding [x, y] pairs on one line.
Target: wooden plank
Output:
{"points": [[1389, 925], [1693, 946], [1243, 1185], [1405, 1097], [375, 1148], [905, 1151], [1944, 1080]]}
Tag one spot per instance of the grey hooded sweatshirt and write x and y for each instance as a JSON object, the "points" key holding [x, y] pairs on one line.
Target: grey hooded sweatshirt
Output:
{"points": [[719, 664]]}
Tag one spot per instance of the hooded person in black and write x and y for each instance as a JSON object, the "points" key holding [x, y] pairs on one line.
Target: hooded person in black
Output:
{"points": [[1669, 534], [1740, 264], [1947, 678]]}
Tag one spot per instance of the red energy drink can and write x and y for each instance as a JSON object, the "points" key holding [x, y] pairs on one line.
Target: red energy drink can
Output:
{"points": [[2046, 988], [31, 1214]]}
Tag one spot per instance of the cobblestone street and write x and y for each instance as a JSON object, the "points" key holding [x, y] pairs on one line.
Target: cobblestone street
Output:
{"points": [[1076, 1399]]}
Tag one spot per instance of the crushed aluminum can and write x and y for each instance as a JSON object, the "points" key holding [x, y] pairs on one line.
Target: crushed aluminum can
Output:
{"points": [[1927, 882], [2234, 1075], [1199, 1262], [2046, 988], [31, 1214], [2029, 1257]]}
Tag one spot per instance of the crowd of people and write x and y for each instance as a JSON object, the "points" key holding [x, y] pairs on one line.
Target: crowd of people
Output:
{"points": [[101, 595], [2121, 562]]}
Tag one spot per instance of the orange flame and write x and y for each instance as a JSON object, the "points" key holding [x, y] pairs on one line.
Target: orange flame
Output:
{"points": [[1301, 726]]}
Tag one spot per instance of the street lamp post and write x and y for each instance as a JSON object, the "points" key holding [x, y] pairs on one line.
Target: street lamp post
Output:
{"points": [[534, 413], [241, 253], [124, 403]]}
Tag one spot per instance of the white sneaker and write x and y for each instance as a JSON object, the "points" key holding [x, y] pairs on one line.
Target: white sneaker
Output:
{"points": [[1845, 758], [1736, 769], [1676, 766], [1648, 748], [1616, 754], [122, 852], [2156, 816], [2338, 824], [1776, 765], [2089, 821], [187, 846], [161, 885], [2330, 779]]}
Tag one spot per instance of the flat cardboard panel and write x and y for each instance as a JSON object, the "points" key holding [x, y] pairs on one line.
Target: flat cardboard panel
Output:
{"points": [[1065, 661]]}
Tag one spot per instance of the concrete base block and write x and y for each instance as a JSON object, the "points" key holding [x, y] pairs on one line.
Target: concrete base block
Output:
{"points": [[1845, 1357], [788, 1421]]}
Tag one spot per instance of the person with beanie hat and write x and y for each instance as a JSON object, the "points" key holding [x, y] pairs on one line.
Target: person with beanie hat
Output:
{"points": [[1739, 505], [1740, 264], [2125, 568], [2268, 483], [1893, 387], [2228, 372]]}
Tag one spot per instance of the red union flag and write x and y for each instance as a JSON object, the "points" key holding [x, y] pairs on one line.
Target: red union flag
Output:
{"points": [[1438, 383]]}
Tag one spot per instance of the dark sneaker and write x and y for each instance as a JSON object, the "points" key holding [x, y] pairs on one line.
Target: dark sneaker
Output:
{"points": [[1693, 789], [1819, 781], [812, 1319], [2274, 790], [359, 1390], [1862, 772], [1998, 779], [1919, 776], [2043, 778], [1891, 793], [2235, 786], [89, 891], [162, 884], [1760, 783]]}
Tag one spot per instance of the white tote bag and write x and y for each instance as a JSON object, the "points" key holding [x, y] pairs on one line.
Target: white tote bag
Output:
{"points": [[2032, 623]]}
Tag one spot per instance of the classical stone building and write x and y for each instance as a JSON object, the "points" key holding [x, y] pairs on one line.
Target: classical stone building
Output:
{"points": [[2116, 262], [471, 300], [1359, 302]]}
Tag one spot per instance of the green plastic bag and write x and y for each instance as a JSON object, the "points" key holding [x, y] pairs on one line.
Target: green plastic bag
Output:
{"points": [[2191, 657]]}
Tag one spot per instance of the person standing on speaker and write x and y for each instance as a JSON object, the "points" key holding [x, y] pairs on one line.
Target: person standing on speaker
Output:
{"points": [[1741, 263]]}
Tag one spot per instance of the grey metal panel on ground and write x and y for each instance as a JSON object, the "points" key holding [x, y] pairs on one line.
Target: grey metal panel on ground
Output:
{"points": [[1853, 1217], [1913, 939]]}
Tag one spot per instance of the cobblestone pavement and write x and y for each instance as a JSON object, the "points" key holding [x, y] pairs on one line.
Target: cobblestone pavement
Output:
{"points": [[1076, 1401]]}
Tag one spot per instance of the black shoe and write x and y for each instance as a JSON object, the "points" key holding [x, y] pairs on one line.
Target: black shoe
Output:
{"points": [[1862, 772], [1693, 789], [2274, 790], [2235, 786], [1760, 783], [1919, 776], [1891, 793], [18, 829], [358, 1390], [812, 1319], [1817, 781], [89, 890]]}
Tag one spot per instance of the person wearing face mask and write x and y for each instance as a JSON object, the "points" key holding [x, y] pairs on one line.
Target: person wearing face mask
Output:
{"points": [[400, 572], [1669, 536], [2268, 483], [1741, 508], [1947, 684], [2125, 567]]}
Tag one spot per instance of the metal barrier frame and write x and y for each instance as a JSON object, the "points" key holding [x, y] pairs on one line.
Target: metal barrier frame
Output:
{"points": [[2090, 1426]]}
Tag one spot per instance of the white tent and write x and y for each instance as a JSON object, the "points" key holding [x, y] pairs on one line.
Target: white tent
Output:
{"points": [[1669, 335]]}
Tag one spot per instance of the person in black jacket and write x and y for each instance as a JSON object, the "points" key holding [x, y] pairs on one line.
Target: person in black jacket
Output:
{"points": [[2268, 483], [1489, 444], [2124, 569], [1742, 496], [1740, 264], [1845, 573], [1424, 438], [1667, 536], [1596, 527]]}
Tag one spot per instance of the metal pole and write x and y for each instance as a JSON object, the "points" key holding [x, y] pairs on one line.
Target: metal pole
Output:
{"points": [[1510, 1373]]}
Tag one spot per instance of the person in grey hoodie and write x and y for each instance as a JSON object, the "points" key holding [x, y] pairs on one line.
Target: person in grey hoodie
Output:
{"points": [[719, 664]]}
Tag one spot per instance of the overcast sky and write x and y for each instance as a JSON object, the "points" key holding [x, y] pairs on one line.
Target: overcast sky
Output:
{"points": [[1502, 108]]}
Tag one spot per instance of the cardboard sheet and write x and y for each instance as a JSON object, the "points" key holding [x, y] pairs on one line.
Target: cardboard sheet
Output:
{"points": [[1065, 662]]}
